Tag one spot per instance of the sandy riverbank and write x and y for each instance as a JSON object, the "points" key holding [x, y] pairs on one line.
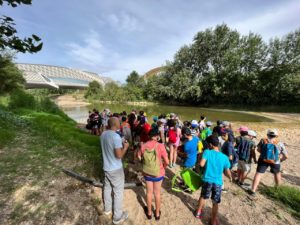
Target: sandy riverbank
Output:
{"points": [[236, 206], [70, 101]]}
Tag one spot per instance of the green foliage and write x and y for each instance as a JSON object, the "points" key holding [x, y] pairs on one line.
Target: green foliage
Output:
{"points": [[8, 33], [10, 76], [289, 196], [223, 67], [132, 91], [21, 99], [132, 78]]}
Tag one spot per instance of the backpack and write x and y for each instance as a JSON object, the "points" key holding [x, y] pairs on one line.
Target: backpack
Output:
{"points": [[172, 136], [269, 152], [244, 149], [151, 163]]}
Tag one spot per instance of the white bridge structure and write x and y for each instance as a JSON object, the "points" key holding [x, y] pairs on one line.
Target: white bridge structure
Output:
{"points": [[46, 76]]}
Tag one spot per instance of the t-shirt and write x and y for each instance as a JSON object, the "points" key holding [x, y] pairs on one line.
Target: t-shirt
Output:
{"points": [[160, 151], [191, 148], [280, 146], [216, 163], [227, 148], [110, 141]]}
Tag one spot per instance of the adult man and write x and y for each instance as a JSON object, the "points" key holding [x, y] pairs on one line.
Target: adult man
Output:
{"points": [[269, 148], [113, 151]]}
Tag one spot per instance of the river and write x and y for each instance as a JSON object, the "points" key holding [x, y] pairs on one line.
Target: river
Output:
{"points": [[80, 113]]}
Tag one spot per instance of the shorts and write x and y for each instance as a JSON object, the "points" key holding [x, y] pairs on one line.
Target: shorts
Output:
{"points": [[263, 166], [243, 166], [213, 190], [153, 179]]}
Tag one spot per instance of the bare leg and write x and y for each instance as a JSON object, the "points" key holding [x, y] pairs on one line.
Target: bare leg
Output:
{"points": [[175, 155], [243, 176], [277, 177], [256, 181], [214, 213], [149, 188], [157, 188], [201, 204], [171, 153]]}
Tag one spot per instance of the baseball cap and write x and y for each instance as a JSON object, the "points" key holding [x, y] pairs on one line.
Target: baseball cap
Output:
{"points": [[208, 123], [243, 129], [252, 133], [272, 132], [155, 118], [225, 123]]}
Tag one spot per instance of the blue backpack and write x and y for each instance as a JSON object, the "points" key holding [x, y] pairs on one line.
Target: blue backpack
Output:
{"points": [[243, 149], [269, 152]]}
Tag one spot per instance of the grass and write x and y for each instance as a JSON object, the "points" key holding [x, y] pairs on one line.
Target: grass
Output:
{"points": [[286, 195], [37, 140]]}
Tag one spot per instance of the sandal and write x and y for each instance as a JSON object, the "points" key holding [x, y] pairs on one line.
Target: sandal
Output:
{"points": [[198, 214], [149, 217]]}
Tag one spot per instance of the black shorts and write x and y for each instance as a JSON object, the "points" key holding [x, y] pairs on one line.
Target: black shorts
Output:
{"points": [[263, 166], [213, 190]]}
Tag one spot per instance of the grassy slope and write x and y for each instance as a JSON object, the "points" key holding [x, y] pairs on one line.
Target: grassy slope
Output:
{"points": [[34, 147]]}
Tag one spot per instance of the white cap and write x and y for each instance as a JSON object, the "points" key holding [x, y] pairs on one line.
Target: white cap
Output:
{"points": [[208, 123], [225, 123], [272, 132], [252, 133], [194, 122]]}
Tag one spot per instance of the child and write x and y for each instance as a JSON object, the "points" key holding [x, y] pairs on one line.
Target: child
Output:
{"points": [[172, 138], [244, 147], [215, 163]]}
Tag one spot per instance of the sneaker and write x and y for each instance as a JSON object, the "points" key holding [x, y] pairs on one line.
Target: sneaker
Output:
{"points": [[174, 164], [225, 190], [252, 193], [107, 213], [123, 218], [198, 215]]}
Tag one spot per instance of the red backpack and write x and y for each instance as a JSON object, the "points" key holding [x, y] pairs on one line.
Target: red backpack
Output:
{"points": [[172, 136]]}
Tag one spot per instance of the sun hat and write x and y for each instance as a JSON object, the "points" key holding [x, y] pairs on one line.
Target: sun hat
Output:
{"points": [[208, 123], [272, 132], [225, 123], [243, 129], [252, 133]]}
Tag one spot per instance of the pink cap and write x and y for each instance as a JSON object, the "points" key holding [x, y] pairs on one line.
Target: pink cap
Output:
{"points": [[243, 129]]}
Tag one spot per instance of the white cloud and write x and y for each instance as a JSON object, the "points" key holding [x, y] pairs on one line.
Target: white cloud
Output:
{"points": [[275, 22], [91, 53], [122, 21]]}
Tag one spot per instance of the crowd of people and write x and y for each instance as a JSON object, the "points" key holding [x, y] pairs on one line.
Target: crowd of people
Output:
{"points": [[168, 142]]}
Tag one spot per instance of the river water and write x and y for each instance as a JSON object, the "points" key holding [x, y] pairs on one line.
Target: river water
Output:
{"points": [[80, 113]]}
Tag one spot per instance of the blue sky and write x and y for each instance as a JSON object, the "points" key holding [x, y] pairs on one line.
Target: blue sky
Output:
{"points": [[114, 37]]}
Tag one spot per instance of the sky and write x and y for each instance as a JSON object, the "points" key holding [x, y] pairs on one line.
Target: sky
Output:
{"points": [[114, 37]]}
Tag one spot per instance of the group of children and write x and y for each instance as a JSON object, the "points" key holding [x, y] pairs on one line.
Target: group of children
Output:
{"points": [[217, 150]]}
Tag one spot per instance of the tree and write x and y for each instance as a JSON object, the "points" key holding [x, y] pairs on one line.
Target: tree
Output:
{"points": [[95, 90], [10, 76], [132, 78], [8, 33]]}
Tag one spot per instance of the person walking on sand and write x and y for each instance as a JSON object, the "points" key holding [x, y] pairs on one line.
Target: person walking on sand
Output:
{"points": [[272, 153], [113, 150], [154, 159], [215, 163]]}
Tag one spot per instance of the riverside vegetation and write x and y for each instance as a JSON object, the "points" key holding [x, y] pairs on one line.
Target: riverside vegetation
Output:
{"points": [[221, 66]]}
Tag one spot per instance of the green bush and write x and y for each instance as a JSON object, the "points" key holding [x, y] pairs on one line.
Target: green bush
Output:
{"points": [[21, 99], [289, 196]]}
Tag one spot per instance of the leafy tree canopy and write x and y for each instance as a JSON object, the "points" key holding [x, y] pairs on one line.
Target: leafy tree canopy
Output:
{"points": [[8, 33]]}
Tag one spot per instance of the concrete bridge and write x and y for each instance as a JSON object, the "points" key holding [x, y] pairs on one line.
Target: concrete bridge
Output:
{"points": [[46, 76]]}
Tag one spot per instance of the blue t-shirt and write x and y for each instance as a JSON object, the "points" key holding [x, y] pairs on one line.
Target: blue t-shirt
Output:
{"points": [[215, 164], [110, 141], [191, 149]]}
